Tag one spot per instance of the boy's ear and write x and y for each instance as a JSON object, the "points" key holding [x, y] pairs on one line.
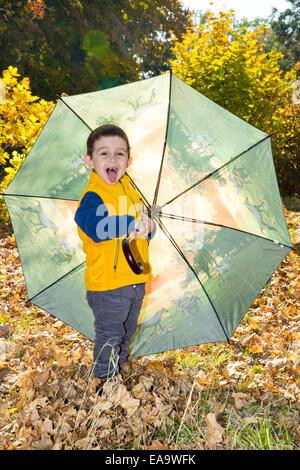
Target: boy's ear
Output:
{"points": [[88, 161], [129, 161]]}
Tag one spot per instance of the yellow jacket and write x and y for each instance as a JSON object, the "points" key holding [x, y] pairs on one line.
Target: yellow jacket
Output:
{"points": [[104, 214]]}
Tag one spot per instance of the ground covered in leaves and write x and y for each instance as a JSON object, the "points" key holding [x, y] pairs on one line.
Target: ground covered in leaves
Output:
{"points": [[214, 396]]}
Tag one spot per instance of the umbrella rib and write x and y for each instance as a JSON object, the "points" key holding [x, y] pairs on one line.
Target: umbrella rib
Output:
{"points": [[57, 280], [137, 188], [171, 239], [216, 171], [39, 197], [71, 109], [197, 221], [165, 144]]}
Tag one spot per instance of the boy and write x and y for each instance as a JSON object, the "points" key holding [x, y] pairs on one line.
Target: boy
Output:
{"points": [[108, 209]]}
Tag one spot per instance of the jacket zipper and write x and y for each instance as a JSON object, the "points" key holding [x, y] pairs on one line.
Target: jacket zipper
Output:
{"points": [[117, 252], [129, 197]]}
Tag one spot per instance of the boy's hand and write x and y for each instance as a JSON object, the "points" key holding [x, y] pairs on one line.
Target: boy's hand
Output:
{"points": [[147, 222], [144, 226]]}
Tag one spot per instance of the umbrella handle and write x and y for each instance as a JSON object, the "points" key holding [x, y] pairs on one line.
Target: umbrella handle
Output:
{"points": [[137, 268]]}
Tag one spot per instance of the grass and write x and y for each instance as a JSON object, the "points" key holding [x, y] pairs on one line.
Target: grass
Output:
{"points": [[254, 427], [213, 357], [265, 435], [266, 432]]}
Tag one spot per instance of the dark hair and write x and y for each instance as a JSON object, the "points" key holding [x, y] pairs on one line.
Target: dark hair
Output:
{"points": [[104, 131]]}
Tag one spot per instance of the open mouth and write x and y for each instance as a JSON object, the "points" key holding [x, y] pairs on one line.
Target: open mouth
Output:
{"points": [[112, 173]]}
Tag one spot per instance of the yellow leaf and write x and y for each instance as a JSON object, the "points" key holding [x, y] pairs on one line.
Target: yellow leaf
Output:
{"points": [[256, 349]]}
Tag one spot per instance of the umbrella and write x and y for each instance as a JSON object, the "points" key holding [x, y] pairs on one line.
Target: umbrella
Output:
{"points": [[208, 179]]}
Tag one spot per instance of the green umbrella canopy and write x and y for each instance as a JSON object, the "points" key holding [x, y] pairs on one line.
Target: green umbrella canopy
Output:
{"points": [[209, 175]]}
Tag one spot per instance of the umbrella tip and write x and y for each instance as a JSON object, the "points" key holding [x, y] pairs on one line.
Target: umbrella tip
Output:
{"points": [[63, 95]]}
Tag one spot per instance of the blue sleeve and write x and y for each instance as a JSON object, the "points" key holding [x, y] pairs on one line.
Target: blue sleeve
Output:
{"points": [[93, 219]]}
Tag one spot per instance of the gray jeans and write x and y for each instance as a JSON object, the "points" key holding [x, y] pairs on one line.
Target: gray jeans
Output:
{"points": [[116, 317]]}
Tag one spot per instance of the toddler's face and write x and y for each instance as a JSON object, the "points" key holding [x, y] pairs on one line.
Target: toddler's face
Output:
{"points": [[109, 158]]}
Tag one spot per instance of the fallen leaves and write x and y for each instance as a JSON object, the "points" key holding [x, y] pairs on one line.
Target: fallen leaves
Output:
{"points": [[197, 398], [118, 395], [254, 344], [242, 399], [214, 431], [157, 445]]}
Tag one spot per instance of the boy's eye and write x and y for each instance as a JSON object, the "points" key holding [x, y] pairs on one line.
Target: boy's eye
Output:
{"points": [[105, 154]]}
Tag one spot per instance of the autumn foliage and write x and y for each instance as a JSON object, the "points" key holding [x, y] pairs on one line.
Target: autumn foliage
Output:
{"points": [[74, 46], [22, 117], [37, 7], [229, 65]]}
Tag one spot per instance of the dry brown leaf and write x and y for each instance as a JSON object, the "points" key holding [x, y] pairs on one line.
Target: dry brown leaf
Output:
{"points": [[231, 370], [116, 394], [256, 349], [102, 433], [239, 400], [104, 422], [129, 404], [201, 377], [40, 402], [44, 443], [26, 433], [26, 387], [4, 349], [149, 414], [162, 408], [61, 359], [5, 330], [137, 425], [4, 411], [157, 445], [41, 378], [277, 363], [83, 443], [218, 408], [254, 344], [147, 381], [156, 366], [121, 432], [104, 404], [47, 426], [214, 431], [139, 392]]}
